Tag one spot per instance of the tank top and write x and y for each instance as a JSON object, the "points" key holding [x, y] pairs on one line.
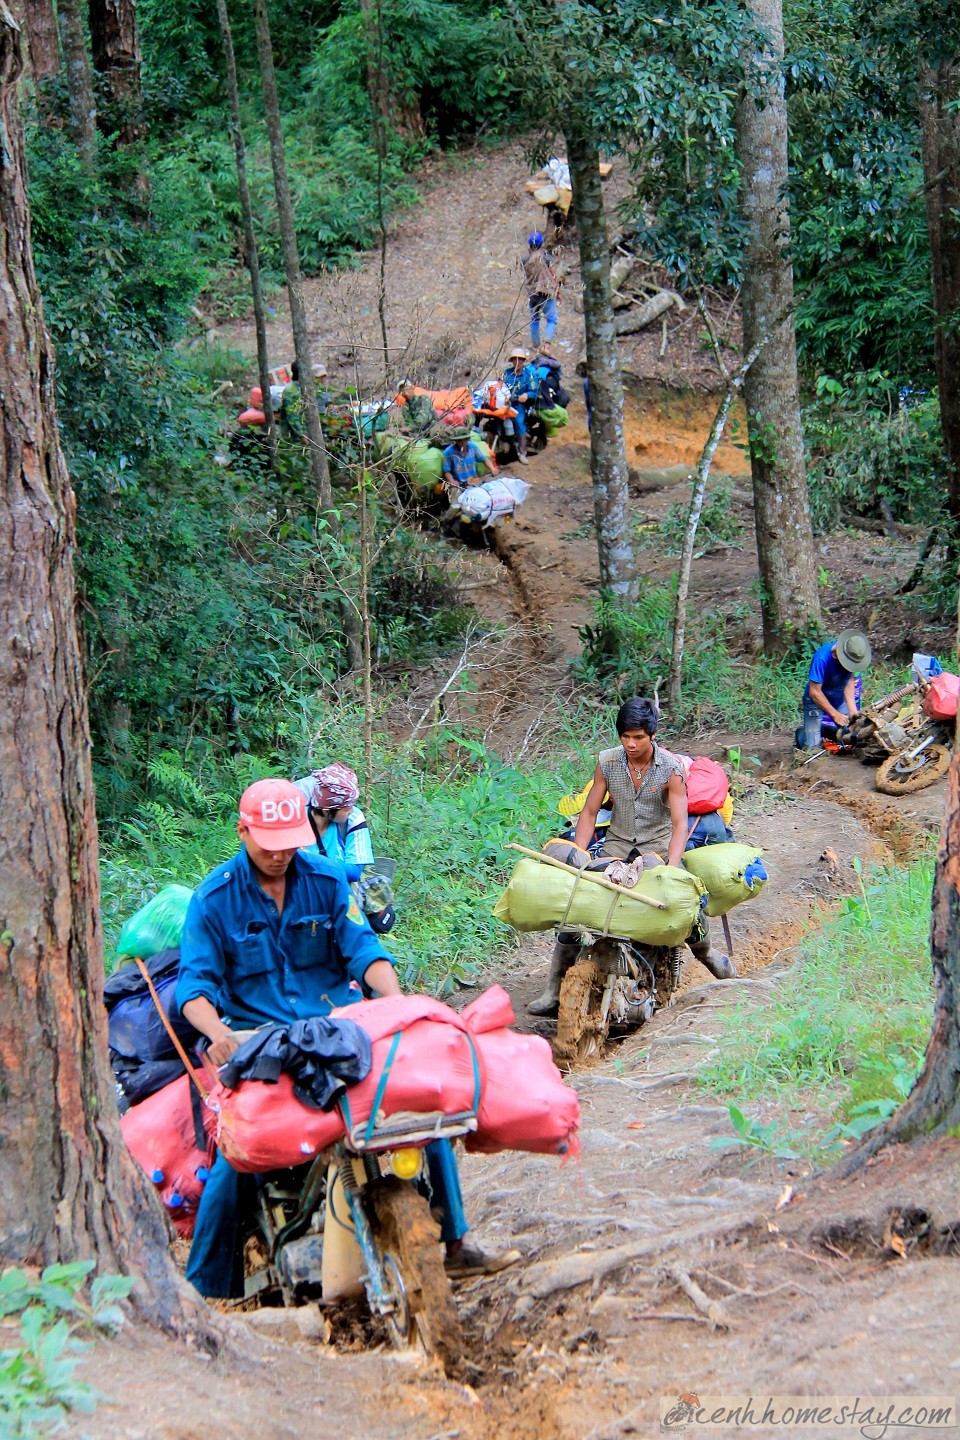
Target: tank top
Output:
{"points": [[641, 817]]}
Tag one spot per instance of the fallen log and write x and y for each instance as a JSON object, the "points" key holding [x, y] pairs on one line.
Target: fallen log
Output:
{"points": [[645, 315], [621, 266]]}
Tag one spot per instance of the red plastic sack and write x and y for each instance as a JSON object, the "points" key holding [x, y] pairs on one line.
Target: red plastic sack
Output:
{"points": [[424, 1062], [265, 1127], [707, 786], [161, 1135], [940, 701], [525, 1104], [493, 1010]]}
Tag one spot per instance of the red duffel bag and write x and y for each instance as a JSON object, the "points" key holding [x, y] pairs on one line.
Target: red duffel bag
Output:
{"points": [[265, 1127], [170, 1135], [707, 786], [940, 701]]}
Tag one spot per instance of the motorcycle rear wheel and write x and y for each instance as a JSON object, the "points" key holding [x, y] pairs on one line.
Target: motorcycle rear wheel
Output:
{"points": [[581, 1028], [406, 1232], [899, 776]]}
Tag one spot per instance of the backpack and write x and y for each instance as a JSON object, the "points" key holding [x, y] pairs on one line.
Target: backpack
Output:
{"points": [[707, 786], [142, 1055]]}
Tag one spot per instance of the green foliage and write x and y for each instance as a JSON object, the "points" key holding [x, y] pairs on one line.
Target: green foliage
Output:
{"points": [[37, 1382], [627, 649], [751, 1135], [872, 450], [718, 525], [850, 1021]]}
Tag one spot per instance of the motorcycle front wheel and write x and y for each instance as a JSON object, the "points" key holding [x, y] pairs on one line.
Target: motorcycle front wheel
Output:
{"points": [[900, 775], [408, 1241], [582, 1026]]}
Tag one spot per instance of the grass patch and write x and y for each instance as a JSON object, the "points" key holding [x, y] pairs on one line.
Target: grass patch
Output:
{"points": [[850, 1025]]}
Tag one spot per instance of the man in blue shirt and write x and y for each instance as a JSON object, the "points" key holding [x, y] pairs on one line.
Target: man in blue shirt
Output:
{"points": [[461, 459], [832, 696], [522, 381], [276, 935]]}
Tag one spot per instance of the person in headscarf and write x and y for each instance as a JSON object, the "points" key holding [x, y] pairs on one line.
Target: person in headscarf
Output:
{"points": [[338, 822]]}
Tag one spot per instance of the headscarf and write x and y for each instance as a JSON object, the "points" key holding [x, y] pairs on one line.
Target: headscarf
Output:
{"points": [[334, 787]]}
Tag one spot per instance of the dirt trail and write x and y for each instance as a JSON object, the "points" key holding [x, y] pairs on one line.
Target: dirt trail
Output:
{"points": [[581, 1340]]}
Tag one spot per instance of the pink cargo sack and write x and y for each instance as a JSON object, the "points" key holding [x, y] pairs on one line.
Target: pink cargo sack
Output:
{"points": [[707, 786], [940, 701], [164, 1135], [264, 1127]]}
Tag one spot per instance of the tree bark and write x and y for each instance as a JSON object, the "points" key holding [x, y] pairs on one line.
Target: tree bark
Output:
{"points": [[788, 573], [608, 460], [252, 254], [68, 1187], [83, 109], [37, 20], [291, 258], [940, 141], [116, 57]]}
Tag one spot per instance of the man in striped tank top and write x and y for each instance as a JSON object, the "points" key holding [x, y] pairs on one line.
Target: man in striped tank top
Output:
{"points": [[648, 796]]}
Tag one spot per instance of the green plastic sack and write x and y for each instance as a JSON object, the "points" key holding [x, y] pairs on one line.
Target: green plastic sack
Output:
{"points": [[554, 419], [539, 897], [157, 925], [418, 460], [730, 872]]}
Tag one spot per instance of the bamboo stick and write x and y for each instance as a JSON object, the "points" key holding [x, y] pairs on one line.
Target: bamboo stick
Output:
{"points": [[593, 875]]}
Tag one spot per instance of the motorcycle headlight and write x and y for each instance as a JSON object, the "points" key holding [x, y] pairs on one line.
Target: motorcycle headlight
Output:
{"points": [[405, 1163]]}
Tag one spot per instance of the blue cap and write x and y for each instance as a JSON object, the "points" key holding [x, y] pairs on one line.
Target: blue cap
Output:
{"points": [[157, 1177], [535, 240], [175, 1201], [203, 1174]]}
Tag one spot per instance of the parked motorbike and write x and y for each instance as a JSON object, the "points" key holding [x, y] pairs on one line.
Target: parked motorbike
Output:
{"points": [[912, 747], [354, 1222], [615, 986], [494, 423]]}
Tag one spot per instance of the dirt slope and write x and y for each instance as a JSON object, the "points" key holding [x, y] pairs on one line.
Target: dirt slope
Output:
{"points": [[580, 1341]]}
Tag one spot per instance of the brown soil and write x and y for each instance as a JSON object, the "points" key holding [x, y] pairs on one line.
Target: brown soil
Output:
{"points": [[581, 1340]]}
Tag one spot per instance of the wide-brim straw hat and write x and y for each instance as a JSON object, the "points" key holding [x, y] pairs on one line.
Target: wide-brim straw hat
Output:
{"points": [[853, 650], [512, 355]]}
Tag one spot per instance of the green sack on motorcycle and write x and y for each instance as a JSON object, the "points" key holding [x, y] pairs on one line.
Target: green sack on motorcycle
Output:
{"points": [[554, 418], [731, 873], [157, 925], [538, 897], [480, 440]]}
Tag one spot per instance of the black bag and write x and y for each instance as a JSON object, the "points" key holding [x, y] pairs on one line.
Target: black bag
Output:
{"points": [[563, 396], [142, 1055], [135, 1029]]}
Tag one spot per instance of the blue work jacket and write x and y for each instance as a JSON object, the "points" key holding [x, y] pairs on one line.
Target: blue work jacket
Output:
{"points": [[257, 965]]}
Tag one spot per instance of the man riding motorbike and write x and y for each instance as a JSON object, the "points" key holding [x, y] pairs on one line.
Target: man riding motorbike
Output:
{"points": [[649, 804], [275, 935]]}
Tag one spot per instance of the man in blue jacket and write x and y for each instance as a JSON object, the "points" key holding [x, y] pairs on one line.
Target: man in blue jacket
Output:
{"points": [[275, 935]]}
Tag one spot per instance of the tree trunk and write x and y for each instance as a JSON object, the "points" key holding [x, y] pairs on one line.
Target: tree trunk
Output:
{"points": [[83, 109], [608, 460], [68, 1187], [291, 258], [116, 57], [940, 139], [38, 22], [249, 235], [790, 599]]}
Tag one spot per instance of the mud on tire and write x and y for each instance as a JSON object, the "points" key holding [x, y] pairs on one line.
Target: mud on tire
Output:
{"points": [[404, 1228], [579, 1029], [925, 770]]}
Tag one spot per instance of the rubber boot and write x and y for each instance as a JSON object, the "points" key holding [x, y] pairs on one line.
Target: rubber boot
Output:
{"points": [[564, 955], [522, 450], [719, 965]]}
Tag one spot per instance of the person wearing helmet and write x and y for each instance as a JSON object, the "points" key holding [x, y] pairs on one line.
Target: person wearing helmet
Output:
{"points": [[542, 279], [521, 379], [834, 688]]}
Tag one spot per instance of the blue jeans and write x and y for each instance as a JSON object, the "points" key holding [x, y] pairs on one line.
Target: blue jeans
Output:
{"points": [[215, 1266], [707, 829], [517, 425], [817, 724], [542, 307]]}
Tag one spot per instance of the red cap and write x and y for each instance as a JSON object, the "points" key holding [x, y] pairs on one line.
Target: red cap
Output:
{"points": [[275, 812]]}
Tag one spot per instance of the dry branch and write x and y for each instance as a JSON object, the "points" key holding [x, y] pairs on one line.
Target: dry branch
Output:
{"points": [[645, 315], [713, 1310]]}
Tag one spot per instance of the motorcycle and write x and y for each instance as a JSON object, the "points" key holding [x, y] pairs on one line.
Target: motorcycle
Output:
{"points": [[913, 748], [614, 986], [353, 1222]]}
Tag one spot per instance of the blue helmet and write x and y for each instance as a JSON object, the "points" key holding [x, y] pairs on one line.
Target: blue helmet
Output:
{"points": [[535, 240]]}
